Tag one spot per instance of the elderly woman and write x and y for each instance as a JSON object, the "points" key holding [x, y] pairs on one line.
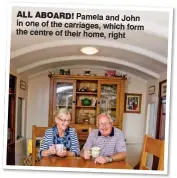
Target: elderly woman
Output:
{"points": [[60, 133]]}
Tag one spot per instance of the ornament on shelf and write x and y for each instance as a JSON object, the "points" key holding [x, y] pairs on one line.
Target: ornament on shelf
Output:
{"points": [[87, 73], [51, 73], [121, 75], [110, 73], [64, 72]]}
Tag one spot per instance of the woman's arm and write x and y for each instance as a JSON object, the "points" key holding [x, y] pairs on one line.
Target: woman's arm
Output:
{"points": [[75, 147], [70, 153], [45, 153], [44, 147]]}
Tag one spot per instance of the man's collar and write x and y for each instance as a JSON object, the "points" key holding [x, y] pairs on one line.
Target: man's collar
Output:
{"points": [[111, 134]]}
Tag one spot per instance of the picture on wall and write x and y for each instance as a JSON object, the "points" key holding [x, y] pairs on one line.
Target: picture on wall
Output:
{"points": [[151, 90], [22, 85], [132, 103], [163, 88]]}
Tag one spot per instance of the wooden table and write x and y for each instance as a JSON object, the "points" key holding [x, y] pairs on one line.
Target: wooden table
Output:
{"points": [[78, 162]]}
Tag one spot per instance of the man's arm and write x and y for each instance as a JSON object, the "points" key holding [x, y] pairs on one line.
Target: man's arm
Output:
{"points": [[121, 148], [88, 144], [116, 157], [82, 153], [119, 156]]}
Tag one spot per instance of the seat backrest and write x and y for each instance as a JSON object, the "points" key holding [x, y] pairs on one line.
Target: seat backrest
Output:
{"points": [[90, 129], [36, 132], [156, 148]]}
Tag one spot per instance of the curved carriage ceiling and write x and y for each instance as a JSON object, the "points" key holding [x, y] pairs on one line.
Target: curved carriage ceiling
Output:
{"points": [[141, 53]]}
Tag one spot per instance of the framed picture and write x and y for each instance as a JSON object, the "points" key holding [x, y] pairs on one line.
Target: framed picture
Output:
{"points": [[163, 88], [132, 103], [151, 90], [22, 85]]}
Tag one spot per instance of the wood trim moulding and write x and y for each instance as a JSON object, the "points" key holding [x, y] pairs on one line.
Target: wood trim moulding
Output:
{"points": [[79, 77]]}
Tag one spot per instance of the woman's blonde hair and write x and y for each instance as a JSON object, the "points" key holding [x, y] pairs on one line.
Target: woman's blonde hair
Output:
{"points": [[61, 112]]}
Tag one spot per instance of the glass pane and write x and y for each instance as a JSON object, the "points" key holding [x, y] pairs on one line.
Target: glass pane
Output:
{"points": [[108, 99], [64, 96], [149, 160], [151, 120]]}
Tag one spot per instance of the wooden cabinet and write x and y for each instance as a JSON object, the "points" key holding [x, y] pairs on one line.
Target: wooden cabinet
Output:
{"points": [[62, 95], [86, 97]]}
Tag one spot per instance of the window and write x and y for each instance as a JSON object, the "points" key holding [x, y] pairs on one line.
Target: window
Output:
{"points": [[151, 128], [151, 119], [20, 118]]}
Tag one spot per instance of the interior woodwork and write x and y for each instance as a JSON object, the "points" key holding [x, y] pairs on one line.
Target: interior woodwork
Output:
{"points": [[83, 129]]}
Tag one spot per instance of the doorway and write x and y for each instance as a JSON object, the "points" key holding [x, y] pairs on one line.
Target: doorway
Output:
{"points": [[11, 121], [161, 117], [151, 128]]}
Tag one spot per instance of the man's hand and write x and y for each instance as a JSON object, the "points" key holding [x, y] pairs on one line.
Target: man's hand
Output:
{"points": [[87, 153], [101, 160]]}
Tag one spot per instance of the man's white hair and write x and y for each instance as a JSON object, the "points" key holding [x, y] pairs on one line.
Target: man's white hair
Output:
{"points": [[107, 115]]}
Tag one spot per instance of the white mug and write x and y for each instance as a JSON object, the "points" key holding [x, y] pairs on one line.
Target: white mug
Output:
{"points": [[95, 152], [60, 147]]}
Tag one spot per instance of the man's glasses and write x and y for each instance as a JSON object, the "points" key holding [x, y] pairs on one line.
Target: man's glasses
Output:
{"points": [[104, 124], [64, 120]]}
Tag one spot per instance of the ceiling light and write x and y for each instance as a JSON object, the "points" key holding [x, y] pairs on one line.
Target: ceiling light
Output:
{"points": [[89, 50]]}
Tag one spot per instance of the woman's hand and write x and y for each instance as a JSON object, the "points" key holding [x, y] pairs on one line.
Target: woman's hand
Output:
{"points": [[62, 153], [101, 160], [52, 150]]}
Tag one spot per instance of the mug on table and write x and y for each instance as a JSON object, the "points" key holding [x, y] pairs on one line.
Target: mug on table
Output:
{"points": [[95, 152], [60, 147]]}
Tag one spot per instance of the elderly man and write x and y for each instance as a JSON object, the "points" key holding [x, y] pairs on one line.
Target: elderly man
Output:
{"points": [[109, 139]]}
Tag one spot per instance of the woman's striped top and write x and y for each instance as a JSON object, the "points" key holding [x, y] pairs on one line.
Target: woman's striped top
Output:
{"points": [[48, 140]]}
